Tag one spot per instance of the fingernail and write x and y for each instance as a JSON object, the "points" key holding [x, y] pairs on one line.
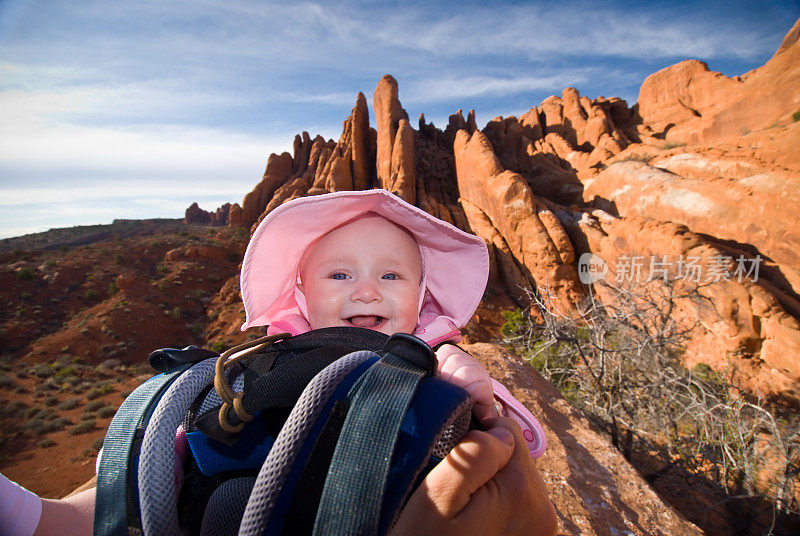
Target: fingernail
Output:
{"points": [[503, 435]]}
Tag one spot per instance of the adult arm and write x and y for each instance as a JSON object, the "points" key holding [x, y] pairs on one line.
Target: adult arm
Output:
{"points": [[487, 485], [71, 516]]}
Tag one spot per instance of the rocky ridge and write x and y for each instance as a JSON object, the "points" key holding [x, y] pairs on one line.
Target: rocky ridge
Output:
{"points": [[576, 175]]}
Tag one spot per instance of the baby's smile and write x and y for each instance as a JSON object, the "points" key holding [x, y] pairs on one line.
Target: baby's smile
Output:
{"points": [[366, 321]]}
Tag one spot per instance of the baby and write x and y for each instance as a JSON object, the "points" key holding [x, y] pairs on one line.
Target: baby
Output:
{"points": [[367, 274], [367, 259]]}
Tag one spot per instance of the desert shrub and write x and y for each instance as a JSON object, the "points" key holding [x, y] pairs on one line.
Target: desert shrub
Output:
{"points": [[673, 145], [94, 405], [218, 346], [796, 116], [32, 412], [620, 362], [97, 392], [26, 295], [91, 295], [46, 442], [16, 406], [61, 422], [43, 371], [112, 289], [51, 426], [25, 274], [644, 158], [97, 443], [105, 412], [51, 401], [83, 427], [119, 258], [176, 312], [68, 404], [87, 417], [66, 372], [34, 426], [6, 382]]}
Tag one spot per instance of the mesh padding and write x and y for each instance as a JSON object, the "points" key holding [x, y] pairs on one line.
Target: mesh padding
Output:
{"points": [[226, 507], [157, 494], [453, 430], [276, 467]]}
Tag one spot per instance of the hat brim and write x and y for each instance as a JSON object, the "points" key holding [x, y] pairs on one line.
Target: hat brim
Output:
{"points": [[456, 263]]}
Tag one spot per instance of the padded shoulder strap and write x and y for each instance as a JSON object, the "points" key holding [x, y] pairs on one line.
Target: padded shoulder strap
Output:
{"points": [[354, 489], [112, 497]]}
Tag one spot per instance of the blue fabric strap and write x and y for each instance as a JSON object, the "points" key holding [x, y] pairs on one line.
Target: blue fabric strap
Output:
{"points": [[354, 489], [111, 500]]}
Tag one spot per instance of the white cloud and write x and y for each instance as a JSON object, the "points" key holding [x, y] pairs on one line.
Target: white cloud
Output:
{"points": [[443, 89], [32, 140]]}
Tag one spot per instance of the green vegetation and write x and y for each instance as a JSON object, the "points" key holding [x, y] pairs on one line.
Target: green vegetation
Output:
{"points": [[644, 158], [218, 346], [673, 145], [25, 274], [97, 392], [91, 295], [94, 404], [105, 412], [83, 427], [620, 362], [46, 442], [796, 116], [68, 404]]}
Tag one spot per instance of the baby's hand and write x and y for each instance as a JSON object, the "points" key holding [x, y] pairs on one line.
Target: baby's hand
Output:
{"points": [[459, 368]]}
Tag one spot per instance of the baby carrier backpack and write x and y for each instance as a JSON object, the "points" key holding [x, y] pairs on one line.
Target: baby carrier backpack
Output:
{"points": [[323, 433]]}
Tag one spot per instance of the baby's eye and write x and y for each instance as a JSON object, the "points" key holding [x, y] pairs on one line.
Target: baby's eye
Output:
{"points": [[338, 275], [390, 276]]}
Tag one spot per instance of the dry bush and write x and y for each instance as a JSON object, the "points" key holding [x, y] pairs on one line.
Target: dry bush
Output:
{"points": [[619, 360]]}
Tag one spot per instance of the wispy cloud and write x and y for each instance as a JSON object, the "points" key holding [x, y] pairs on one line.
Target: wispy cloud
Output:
{"points": [[189, 95], [443, 89]]}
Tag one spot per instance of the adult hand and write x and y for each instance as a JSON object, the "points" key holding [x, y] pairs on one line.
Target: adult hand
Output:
{"points": [[487, 485]]}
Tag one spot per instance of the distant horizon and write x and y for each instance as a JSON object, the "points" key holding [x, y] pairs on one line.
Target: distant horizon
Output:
{"points": [[137, 110]]}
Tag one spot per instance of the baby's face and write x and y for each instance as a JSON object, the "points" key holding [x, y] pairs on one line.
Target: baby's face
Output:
{"points": [[364, 274]]}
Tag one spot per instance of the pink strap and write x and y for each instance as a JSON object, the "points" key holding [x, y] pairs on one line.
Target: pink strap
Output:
{"points": [[531, 429]]}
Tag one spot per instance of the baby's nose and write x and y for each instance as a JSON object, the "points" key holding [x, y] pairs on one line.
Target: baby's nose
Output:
{"points": [[366, 291]]}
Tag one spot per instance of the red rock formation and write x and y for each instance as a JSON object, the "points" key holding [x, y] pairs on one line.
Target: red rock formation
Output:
{"points": [[394, 159], [712, 204], [279, 168], [689, 103], [533, 234], [194, 214], [562, 142]]}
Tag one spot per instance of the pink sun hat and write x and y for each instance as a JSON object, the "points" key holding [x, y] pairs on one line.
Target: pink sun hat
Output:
{"points": [[455, 264]]}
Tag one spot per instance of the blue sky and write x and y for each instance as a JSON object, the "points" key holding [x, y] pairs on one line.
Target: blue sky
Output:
{"points": [[136, 109]]}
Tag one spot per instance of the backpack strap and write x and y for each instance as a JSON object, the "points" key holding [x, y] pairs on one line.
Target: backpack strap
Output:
{"points": [[120, 448], [277, 466], [354, 490], [157, 494]]}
